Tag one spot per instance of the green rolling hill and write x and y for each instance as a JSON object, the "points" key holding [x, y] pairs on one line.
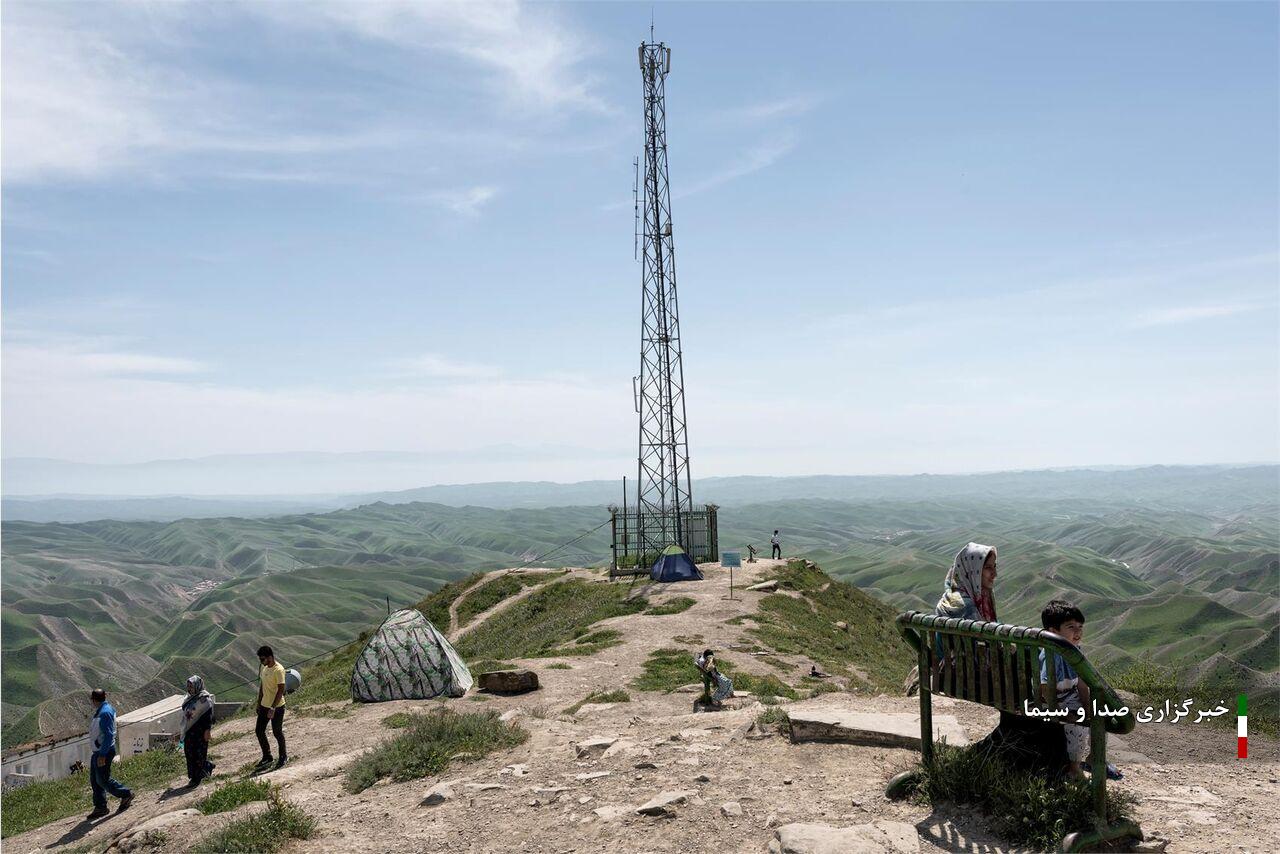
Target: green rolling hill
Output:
{"points": [[1184, 572]]}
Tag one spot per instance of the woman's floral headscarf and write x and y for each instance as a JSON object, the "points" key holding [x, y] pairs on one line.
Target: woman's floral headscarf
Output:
{"points": [[964, 584]]}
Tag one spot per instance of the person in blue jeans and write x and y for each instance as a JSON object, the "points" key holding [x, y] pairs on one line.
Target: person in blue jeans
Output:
{"points": [[102, 732]]}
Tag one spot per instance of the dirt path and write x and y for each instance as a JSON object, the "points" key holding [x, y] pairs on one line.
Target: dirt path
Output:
{"points": [[457, 632], [453, 606], [1190, 788]]}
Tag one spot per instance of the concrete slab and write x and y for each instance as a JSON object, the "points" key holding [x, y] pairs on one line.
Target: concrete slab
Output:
{"points": [[871, 728]]}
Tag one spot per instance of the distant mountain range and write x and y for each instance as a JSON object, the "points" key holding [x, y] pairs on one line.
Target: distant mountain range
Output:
{"points": [[1190, 486]]}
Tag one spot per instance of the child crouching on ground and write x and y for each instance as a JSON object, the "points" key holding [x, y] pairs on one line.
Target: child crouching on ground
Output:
{"points": [[1066, 620]]}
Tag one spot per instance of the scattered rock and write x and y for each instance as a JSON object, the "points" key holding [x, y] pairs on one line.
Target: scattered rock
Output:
{"points": [[622, 745], [877, 729], [661, 805], [875, 838], [765, 586], [438, 794], [611, 813], [731, 809], [771, 820], [786, 781], [137, 836], [702, 778], [695, 688], [508, 681], [585, 799], [593, 748], [515, 770], [842, 625], [484, 787], [510, 714], [592, 775]]}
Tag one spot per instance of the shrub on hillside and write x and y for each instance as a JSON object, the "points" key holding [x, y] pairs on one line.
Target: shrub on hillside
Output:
{"points": [[228, 796], [1023, 806], [428, 744], [264, 833]]}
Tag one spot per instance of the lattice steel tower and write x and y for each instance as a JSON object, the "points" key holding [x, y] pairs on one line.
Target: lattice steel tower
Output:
{"points": [[664, 488]]}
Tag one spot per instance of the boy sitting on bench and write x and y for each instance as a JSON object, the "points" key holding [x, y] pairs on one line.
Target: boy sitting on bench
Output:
{"points": [[1066, 620]]}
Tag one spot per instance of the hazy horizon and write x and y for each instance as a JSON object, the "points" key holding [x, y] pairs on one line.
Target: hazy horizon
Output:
{"points": [[300, 475]]}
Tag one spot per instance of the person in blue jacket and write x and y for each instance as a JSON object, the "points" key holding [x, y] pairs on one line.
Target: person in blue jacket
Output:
{"points": [[102, 732]]}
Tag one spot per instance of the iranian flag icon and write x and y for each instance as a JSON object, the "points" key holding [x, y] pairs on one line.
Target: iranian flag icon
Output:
{"points": [[1242, 730]]}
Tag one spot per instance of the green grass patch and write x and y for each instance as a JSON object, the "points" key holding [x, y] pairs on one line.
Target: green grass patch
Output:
{"points": [[670, 668], [616, 696], [545, 622], [488, 665], [265, 833], [228, 796], [666, 670], [487, 595], [428, 744], [436, 606], [1024, 808], [678, 605], [223, 738], [818, 687], [774, 716], [559, 665], [336, 713], [325, 681], [805, 626], [689, 640], [479, 698], [37, 804], [397, 720]]}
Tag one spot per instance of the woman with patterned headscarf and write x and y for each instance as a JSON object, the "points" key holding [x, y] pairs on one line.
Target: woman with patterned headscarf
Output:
{"points": [[197, 721], [968, 591]]}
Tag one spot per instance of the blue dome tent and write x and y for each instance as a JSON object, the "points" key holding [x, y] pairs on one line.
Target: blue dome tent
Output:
{"points": [[674, 565]]}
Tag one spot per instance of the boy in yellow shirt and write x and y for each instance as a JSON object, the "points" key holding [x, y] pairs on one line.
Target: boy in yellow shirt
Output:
{"points": [[270, 707]]}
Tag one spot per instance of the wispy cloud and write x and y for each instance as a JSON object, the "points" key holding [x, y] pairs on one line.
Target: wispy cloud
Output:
{"points": [[467, 201], [1190, 314], [534, 55], [435, 366], [762, 111], [754, 159], [93, 91]]}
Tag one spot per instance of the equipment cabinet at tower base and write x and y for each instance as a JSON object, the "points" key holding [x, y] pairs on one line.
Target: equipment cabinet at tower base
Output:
{"points": [[695, 533]]}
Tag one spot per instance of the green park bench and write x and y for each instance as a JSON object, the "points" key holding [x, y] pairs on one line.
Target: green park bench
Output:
{"points": [[998, 665]]}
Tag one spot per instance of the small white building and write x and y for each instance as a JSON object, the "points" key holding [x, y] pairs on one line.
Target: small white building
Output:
{"points": [[52, 758]]}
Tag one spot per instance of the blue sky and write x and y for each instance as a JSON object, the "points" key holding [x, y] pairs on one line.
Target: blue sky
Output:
{"points": [[910, 237]]}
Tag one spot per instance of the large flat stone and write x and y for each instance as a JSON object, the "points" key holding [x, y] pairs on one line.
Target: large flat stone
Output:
{"points": [[871, 728], [880, 837]]}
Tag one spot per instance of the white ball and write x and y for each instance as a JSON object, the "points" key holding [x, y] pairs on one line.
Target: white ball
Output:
{"points": [[292, 681]]}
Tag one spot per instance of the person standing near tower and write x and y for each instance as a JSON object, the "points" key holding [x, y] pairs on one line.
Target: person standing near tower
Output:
{"points": [[777, 545]]}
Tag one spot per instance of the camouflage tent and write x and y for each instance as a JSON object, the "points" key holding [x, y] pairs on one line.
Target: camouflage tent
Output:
{"points": [[407, 659]]}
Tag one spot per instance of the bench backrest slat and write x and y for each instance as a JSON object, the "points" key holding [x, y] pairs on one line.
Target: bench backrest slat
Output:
{"points": [[998, 665]]}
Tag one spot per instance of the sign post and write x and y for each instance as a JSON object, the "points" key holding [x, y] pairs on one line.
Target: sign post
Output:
{"points": [[730, 560]]}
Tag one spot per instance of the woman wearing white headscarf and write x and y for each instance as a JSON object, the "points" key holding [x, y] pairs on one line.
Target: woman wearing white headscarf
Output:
{"points": [[968, 592], [197, 721]]}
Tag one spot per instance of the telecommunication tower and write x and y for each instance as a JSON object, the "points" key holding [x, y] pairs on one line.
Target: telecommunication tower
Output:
{"points": [[663, 487]]}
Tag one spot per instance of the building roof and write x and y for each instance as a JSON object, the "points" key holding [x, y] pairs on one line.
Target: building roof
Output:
{"points": [[158, 709]]}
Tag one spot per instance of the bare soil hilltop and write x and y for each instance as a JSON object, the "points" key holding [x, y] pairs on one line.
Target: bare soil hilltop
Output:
{"points": [[643, 771]]}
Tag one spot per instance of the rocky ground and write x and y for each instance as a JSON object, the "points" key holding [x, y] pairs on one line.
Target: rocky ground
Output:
{"points": [[577, 784]]}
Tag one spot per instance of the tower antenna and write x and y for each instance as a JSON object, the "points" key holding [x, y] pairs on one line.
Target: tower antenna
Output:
{"points": [[664, 492]]}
